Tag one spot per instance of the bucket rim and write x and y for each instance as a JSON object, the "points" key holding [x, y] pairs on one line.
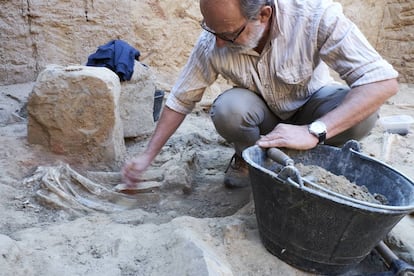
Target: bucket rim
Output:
{"points": [[328, 194]]}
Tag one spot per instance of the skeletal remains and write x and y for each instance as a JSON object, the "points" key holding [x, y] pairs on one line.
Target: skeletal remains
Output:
{"points": [[63, 187]]}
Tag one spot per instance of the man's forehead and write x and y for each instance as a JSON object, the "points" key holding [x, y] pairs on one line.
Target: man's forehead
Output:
{"points": [[224, 7], [221, 13]]}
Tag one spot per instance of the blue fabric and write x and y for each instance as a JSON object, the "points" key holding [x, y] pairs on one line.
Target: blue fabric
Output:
{"points": [[116, 55]]}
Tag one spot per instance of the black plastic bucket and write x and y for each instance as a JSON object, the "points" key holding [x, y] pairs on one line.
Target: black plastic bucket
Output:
{"points": [[318, 230]]}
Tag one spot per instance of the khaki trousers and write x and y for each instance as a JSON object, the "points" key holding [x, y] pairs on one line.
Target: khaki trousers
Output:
{"points": [[241, 116]]}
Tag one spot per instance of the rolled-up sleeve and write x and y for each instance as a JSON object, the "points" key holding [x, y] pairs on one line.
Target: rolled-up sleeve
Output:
{"points": [[194, 78], [346, 50]]}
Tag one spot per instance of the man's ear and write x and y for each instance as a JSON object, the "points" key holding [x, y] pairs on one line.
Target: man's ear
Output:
{"points": [[265, 13]]}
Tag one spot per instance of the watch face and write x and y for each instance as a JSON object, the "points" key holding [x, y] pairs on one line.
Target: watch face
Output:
{"points": [[318, 127]]}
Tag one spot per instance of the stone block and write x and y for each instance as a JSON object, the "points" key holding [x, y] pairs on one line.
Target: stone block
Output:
{"points": [[74, 111], [137, 102]]}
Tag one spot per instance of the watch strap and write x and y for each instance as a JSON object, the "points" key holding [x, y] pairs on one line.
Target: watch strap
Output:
{"points": [[321, 138], [318, 129]]}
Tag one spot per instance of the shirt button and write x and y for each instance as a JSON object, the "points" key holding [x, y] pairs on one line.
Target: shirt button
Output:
{"points": [[266, 86]]}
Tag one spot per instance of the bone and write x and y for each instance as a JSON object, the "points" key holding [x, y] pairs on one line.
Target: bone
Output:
{"points": [[63, 187]]}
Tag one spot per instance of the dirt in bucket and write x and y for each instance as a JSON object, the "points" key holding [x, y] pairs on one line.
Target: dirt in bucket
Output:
{"points": [[338, 184]]}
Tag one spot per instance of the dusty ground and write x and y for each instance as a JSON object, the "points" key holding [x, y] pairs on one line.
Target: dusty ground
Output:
{"points": [[195, 153], [191, 166]]}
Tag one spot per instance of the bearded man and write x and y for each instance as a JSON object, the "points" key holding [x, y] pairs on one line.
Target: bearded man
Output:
{"points": [[277, 53]]}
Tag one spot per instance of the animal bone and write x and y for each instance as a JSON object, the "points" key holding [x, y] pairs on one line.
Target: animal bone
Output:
{"points": [[63, 187]]}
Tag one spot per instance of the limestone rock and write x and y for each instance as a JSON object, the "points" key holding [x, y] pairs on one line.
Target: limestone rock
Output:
{"points": [[137, 101], [396, 37], [36, 33], [74, 111]]}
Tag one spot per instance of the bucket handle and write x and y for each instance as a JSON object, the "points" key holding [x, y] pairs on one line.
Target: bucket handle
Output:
{"points": [[289, 171], [351, 145]]}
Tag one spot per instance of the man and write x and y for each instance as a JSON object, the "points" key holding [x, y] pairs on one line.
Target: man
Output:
{"points": [[276, 53]]}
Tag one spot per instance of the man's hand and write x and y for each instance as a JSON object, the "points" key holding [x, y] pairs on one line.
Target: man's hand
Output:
{"points": [[133, 170], [166, 126], [289, 136]]}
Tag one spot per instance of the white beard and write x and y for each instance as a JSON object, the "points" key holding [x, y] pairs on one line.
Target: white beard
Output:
{"points": [[253, 40]]}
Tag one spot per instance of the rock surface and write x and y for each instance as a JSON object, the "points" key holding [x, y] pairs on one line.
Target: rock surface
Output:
{"points": [[74, 111], [37, 33], [136, 103]]}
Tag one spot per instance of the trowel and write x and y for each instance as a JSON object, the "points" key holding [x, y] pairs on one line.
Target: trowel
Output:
{"points": [[141, 187], [149, 182]]}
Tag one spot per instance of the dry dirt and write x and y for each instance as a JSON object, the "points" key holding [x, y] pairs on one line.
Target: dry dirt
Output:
{"points": [[195, 155], [337, 183], [191, 166]]}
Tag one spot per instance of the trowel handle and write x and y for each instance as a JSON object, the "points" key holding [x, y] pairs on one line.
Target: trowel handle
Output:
{"points": [[397, 265], [280, 157]]}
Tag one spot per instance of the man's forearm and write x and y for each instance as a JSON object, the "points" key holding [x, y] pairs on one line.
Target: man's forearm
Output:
{"points": [[360, 102], [169, 122]]}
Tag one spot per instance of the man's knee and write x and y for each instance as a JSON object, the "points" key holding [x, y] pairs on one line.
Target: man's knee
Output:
{"points": [[240, 116], [233, 109], [232, 101]]}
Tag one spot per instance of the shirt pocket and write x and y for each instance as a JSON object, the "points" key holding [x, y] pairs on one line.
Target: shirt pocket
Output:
{"points": [[295, 75], [292, 85]]}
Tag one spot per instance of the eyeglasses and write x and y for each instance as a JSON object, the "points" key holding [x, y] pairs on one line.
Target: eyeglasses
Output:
{"points": [[230, 36]]}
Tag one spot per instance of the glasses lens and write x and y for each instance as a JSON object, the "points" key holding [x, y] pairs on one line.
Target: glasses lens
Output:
{"points": [[229, 37]]}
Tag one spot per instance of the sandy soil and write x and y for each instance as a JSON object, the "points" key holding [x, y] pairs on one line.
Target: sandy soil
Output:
{"points": [[191, 167]]}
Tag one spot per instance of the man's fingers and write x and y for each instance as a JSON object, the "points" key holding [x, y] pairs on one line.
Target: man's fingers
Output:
{"points": [[130, 175], [264, 144], [271, 143]]}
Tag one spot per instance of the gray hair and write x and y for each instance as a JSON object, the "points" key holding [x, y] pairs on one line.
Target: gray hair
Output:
{"points": [[251, 8]]}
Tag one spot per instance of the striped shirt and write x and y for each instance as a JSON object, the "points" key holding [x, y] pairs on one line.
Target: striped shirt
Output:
{"points": [[305, 38]]}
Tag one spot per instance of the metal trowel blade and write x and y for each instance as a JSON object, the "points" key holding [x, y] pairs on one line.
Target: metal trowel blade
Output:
{"points": [[142, 187]]}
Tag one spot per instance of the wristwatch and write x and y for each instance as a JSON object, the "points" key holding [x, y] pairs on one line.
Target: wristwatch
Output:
{"points": [[318, 129]]}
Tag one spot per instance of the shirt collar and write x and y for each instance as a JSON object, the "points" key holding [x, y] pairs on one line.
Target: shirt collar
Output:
{"points": [[274, 27]]}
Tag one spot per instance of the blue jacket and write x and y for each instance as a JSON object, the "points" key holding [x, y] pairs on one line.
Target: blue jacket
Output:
{"points": [[116, 55]]}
